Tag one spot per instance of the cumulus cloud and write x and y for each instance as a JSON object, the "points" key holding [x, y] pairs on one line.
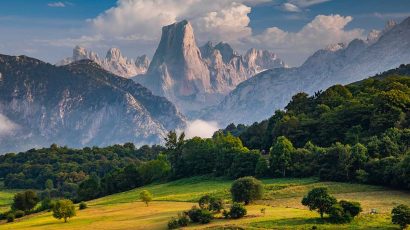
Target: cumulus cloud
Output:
{"points": [[297, 46], [6, 126], [56, 4], [223, 20], [290, 7], [200, 128]]}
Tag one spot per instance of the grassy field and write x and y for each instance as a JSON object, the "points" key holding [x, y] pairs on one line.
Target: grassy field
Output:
{"points": [[6, 197], [282, 203]]}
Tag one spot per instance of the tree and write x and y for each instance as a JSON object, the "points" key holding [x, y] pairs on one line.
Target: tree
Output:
{"points": [[146, 196], [280, 156], [246, 189], [64, 209], [262, 168], [401, 215], [90, 188], [320, 200], [25, 200], [49, 184]]}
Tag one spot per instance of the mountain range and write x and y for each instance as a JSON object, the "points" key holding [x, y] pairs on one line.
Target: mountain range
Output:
{"points": [[77, 104], [195, 77], [88, 100], [113, 62], [258, 97]]}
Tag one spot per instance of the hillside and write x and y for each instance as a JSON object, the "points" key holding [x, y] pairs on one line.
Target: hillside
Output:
{"points": [[78, 104], [258, 97], [282, 203]]}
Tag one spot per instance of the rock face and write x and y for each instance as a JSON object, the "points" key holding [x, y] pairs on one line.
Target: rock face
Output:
{"points": [[113, 62], [258, 97], [79, 104], [194, 78]]}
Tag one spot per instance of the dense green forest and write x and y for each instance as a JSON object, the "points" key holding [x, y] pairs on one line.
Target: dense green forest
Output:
{"points": [[354, 133]]}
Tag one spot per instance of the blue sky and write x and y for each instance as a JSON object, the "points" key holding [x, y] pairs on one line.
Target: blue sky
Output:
{"points": [[48, 29]]}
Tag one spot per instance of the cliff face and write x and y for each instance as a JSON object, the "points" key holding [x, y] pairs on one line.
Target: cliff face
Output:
{"points": [[79, 104], [194, 78]]}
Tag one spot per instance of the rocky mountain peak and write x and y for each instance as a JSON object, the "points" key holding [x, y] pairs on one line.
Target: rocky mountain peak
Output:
{"points": [[142, 62], [226, 51], [113, 62], [114, 54], [177, 62]]}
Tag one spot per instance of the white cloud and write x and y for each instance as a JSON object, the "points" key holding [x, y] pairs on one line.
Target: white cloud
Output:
{"points": [[290, 7], [200, 128], [297, 46], [220, 20], [56, 4], [307, 3], [6, 126]]}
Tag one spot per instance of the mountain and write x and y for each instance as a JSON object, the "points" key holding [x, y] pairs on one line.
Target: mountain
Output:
{"points": [[77, 104], [193, 77], [113, 62], [258, 97]]}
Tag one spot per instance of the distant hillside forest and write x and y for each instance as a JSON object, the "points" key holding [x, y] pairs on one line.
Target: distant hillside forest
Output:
{"points": [[354, 133]]}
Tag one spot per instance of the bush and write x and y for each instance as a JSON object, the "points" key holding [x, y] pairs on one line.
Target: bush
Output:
{"points": [[351, 208], [237, 211], [246, 189], [10, 217], [183, 219], [173, 223], [197, 215], [18, 214], [82, 205], [211, 203], [46, 204], [401, 215], [338, 215]]}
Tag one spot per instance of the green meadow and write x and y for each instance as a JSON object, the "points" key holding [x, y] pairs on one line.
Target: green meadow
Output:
{"points": [[281, 200]]}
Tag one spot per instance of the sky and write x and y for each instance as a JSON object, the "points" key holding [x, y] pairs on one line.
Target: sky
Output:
{"points": [[294, 29]]}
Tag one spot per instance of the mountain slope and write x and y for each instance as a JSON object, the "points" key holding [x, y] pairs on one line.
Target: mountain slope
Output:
{"points": [[258, 97], [113, 62], [77, 104]]}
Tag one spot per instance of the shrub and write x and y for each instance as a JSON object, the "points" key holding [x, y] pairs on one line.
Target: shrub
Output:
{"points": [[194, 214], [338, 215], [18, 214], [197, 215], [10, 217], [204, 202], [173, 223], [401, 215], [211, 203], [351, 208], [183, 219], [237, 211], [46, 204], [82, 205], [246, 189]]}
